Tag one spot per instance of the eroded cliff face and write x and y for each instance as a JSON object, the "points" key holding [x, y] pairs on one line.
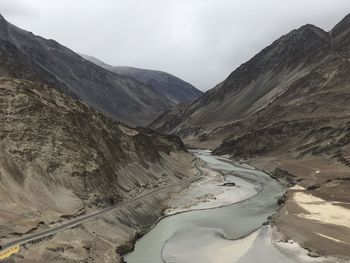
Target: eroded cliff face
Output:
{"points": [[59, 158]]}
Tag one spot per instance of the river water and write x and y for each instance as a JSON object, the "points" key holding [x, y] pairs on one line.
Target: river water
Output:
{"points": [[224, 234]]}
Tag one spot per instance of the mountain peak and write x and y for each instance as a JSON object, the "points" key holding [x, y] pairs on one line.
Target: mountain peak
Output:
{"points": [[304, 34], [307, 37], [311, 28], [308, 27]]}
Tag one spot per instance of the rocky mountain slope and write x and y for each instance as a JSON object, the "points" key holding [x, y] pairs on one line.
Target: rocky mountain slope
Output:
{"points": [[122, 98], [60, 158], [165, 84], [297, 84], [287, 111]]}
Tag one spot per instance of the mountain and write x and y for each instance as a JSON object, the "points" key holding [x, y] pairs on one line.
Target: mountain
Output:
{"points": [[122, 98], [165, 84], [286, 111], [60, 159], [300, 78]]}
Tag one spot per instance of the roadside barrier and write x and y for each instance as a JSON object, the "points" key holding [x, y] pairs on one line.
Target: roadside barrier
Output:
{"points": [[9, 252]]}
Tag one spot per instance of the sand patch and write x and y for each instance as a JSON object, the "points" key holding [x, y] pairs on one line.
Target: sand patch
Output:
{"points": [[321, 210], [209, 248], [209, 192]]}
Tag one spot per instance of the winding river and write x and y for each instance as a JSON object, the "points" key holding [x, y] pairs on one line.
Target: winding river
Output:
{"points": [[233, 233]]}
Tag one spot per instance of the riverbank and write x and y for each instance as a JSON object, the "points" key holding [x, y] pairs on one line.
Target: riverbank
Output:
{"points": [[315, 212], [212, 191], [225, 245], [263, 246], [106, 236], [270, 238]]}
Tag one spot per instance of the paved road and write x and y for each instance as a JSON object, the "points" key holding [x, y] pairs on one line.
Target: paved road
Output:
{"points": [[84, 218]]}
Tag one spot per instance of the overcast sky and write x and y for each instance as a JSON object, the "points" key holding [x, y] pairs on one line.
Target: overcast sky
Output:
{"points": [[200, 41]]}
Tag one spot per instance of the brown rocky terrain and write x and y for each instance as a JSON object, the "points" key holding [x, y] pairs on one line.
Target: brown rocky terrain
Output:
{"points": [[287, 111], [60, 158]]}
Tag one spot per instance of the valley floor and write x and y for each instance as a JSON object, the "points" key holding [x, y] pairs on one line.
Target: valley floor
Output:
{"points": [[266, 244], [315, 215]]}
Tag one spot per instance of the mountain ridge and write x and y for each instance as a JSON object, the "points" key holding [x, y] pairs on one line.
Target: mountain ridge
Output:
{"points": [[119, 97], [305, 48], [60, 159], [173, 88], [286, 111]]}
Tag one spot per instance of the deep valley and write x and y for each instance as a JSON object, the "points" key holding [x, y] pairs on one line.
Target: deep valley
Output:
{"points": [[102, 163]]}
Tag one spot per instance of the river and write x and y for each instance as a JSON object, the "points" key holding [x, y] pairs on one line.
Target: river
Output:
{"points": [[232, 233]]}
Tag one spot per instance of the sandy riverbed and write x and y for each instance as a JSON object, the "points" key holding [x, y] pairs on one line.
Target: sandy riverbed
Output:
{"points": [[266, 243], [210, 192]]}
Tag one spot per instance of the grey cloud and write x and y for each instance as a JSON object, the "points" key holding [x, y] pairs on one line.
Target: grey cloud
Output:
{"points": [[201, 41]]}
